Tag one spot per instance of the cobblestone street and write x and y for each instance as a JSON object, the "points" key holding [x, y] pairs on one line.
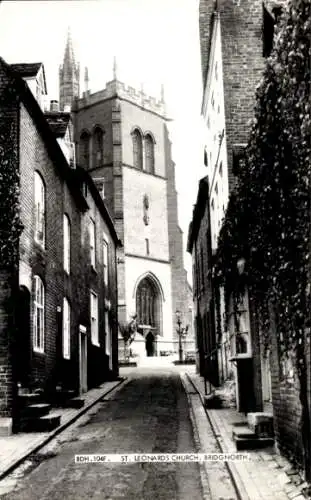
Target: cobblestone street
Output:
{"points": [[149, 414]]}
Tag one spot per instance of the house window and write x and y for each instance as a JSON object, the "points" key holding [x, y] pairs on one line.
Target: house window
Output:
{"points": [[216, 71], [98, 141], [107, 333], [66, 329], [94, 318], [137, 149], [149, 154], [92, 230], [66, 244], [85, 149], [105, 259], [38, 315], [220, 169], [39, 209]]}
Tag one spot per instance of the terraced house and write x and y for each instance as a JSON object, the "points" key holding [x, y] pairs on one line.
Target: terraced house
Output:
{"points": [[58, 291]]}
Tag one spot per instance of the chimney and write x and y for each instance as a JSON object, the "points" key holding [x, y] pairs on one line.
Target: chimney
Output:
{"points": [[54, 106]]}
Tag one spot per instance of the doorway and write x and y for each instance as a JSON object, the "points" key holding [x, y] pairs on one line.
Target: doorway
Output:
{"points": [[23, 340], [150, 347], [83, 359]]}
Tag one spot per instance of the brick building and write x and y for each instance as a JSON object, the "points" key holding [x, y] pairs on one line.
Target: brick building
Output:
{"points": [[236, 37], [62, 322], [199, 246], [122, 140]]}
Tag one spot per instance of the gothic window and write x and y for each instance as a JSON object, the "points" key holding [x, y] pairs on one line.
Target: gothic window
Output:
{"points": [[137, 149], [98, 142], [85, 149], [146, 303], [149, 154]]}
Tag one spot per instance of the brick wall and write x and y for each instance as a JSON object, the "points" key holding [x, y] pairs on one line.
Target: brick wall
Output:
{"points": [[8, 278]]}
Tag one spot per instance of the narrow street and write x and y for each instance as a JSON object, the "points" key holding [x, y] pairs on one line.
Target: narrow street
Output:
{"points": [[149, 414]]}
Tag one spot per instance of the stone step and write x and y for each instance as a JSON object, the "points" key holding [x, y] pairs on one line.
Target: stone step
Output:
{"points": [[45, 423], [242, 431], [72, 403], [244, 443], [35, 410], [30, 398]]}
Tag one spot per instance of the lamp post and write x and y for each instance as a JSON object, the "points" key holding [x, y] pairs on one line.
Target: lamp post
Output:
{"points": [[181, 331]]}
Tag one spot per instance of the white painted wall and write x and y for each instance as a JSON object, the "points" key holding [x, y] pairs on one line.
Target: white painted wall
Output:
{"points": [[215, 135]]}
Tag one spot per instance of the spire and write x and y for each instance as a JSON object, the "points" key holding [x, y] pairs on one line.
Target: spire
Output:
{"points": [[115, 68], [69, 57], [69, 76]]}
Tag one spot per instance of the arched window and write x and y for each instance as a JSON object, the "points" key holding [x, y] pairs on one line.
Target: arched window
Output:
{"points": [[39, 202], [38, 315], [137, 149], [66, 244], [146, 303], [149, 154], [98, 143], [85, 149]]}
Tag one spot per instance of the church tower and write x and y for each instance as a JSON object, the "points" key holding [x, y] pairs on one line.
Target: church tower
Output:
{"points": [[69, 77], [121, 136]]}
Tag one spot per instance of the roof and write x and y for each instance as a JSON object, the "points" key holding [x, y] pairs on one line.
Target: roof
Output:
{"points": [[198, 212], [73, 177], [26, 70], [58, 122]]}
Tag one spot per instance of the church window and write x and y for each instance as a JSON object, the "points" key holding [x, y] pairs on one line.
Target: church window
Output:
{"points": [[137, 149], [149, 154], [98, 140], [146, 302], [147, 246], [85, 149]]}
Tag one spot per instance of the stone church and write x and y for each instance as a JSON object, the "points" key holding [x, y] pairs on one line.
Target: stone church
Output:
{"points": [[122, 140]]}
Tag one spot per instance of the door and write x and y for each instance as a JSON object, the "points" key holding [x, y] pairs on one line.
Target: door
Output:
{"points": [[23, 341], [150, 344], [83, 358]]}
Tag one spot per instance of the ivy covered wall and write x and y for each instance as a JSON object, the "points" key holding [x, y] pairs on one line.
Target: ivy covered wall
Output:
{"points": [[268, 217]]}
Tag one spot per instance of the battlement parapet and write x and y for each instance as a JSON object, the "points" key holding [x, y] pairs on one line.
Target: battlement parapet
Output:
{"points": [[115, 88]]}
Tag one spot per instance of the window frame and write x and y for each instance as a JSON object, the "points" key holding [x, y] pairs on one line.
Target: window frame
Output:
{"points": [[92, 235], [149, 154], [105, 259], [39, 208], [66, 243], [137, 142], [94, 319], [66, 330], [38, 341]]}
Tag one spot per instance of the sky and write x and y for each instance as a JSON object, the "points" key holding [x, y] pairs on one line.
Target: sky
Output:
{"points": [[154, 41]]}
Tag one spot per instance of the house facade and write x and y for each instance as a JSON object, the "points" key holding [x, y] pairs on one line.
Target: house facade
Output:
{"points": [[199, 246], [63, 285]]}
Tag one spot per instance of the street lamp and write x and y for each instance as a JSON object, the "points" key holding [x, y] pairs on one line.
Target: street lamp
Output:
{"points": [[181, 331]]}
